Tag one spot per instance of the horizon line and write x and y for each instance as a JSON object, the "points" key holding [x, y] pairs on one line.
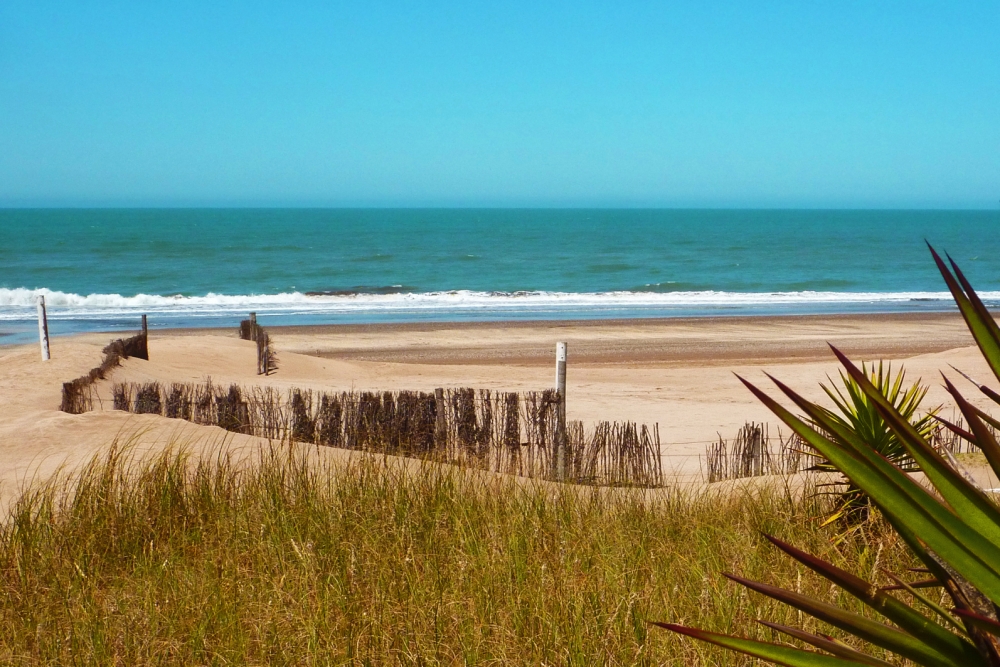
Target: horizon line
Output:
{"points": [[483, 207]]}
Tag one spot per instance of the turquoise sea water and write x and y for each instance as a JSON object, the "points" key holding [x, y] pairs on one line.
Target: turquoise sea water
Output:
{"points": [[100, 269]]}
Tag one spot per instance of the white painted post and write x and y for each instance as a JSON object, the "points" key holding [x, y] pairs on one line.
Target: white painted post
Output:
{"points": [[561, 370], [43, 328], [561, 440]]}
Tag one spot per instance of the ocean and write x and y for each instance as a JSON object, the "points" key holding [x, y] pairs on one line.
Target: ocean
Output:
{"points": [[99, 269]]}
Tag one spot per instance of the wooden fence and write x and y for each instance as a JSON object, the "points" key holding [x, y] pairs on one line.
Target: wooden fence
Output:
{"points": [[267, 359], [78, 395], [515, 433], [755, 452]]}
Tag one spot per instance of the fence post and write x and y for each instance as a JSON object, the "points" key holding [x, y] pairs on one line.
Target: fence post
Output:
{"points": [[561, 439], [253, 326], [43, 328]]}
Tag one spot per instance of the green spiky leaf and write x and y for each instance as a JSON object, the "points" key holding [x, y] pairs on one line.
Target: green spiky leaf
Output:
{"points": [[776, 653]]}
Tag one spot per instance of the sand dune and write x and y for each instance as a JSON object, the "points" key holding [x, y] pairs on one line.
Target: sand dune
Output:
{"points": [[678, 373]]}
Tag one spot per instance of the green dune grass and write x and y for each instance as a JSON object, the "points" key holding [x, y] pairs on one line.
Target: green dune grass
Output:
{"points": [[291, 560]]}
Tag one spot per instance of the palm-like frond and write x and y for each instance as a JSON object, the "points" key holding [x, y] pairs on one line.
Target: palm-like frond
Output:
{"points": [[954, 528], [858, 414]]}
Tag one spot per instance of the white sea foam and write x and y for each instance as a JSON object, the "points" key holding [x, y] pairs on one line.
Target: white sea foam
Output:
{"points": [[18, 304]]}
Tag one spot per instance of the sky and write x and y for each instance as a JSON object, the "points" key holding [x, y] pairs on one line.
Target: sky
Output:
{"points": [[679, 104]]}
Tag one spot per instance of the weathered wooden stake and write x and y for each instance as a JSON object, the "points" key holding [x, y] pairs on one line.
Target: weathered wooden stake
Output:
{"points": [[43, 328], [561, 440], [144, 353], [253, 326]]}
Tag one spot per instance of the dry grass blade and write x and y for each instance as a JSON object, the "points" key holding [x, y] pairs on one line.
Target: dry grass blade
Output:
{"points": [[179, 561]]}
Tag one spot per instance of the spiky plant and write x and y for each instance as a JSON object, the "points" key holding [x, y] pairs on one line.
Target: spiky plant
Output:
{"points": [[859, 415], [953, 528]]}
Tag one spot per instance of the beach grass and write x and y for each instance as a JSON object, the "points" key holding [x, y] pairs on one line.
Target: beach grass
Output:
{"points": [[294, 559]]}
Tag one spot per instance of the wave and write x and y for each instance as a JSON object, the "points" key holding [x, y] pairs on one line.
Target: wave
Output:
{"points": [[19, 304], [363, 289]]}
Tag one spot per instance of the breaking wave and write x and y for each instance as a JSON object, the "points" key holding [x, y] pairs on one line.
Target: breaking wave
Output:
{"points": [[19, 304]]}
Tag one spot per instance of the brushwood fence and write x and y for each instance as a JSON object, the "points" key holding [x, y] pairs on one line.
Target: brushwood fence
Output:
{"points": [[267, 358], [78, 395], [514, 433], [754, 452]]}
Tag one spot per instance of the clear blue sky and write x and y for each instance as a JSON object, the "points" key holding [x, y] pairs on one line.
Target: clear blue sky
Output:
{"points": [[828, 104]]}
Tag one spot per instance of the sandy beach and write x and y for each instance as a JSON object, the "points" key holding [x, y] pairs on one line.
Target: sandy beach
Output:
{"points": [[679, 373]]}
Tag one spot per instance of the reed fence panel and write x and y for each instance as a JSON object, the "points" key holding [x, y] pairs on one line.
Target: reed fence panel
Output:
{"points": [[507, 432], [78, 395], [267, 358], [754, 452]]}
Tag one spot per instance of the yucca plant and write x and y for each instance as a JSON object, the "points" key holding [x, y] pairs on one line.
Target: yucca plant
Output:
{"points": [[953, 529], [859, 415]]}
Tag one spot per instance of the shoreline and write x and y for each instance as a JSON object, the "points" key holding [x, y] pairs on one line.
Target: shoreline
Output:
{"points": [[661, 341], [657, 342], [21, 329]]}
